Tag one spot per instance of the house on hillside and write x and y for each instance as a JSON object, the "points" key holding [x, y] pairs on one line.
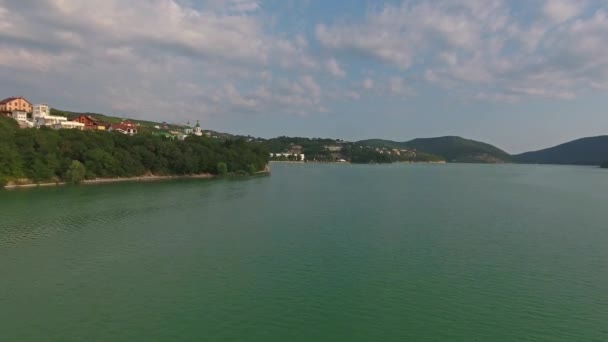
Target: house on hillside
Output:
{"points": [[40, 110], [21, 117], [90, 123], [333, 148], [70, 125], [41, 116], [125, 127], [288, 156], [7, 106]]}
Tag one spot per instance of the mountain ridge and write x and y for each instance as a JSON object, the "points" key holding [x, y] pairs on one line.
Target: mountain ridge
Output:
{"points": [[583, 151]]}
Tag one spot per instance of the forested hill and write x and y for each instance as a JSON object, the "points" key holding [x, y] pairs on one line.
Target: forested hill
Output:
{"points": [[41, 155], [585, 151], [452, 149]]}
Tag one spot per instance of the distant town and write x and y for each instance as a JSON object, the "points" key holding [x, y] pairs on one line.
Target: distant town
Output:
{"points": [[337, 152], [30, 115]]}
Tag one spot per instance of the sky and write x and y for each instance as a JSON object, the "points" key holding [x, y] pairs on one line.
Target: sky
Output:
{"points": [[522, 75]]}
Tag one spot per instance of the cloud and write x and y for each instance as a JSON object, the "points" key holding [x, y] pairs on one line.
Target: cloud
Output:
{"points": [[396, 85], [219, 58], [489, 47], [143, 49], [562, 10], [311, 86], [334, 68]]}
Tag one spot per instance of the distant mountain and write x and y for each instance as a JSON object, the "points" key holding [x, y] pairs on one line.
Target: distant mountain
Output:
{"points": [[452, 149], [585, 151]]}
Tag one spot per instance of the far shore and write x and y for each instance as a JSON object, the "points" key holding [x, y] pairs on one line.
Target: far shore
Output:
{"points": [[349, 163], [286, 162], [147, 178]]}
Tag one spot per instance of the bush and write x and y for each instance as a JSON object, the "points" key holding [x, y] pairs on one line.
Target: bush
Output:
{"points": [[3, 182], [76, 173], [252, 169], [222, 169]]}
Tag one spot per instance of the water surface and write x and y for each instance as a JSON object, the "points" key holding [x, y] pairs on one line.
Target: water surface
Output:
{"points": [[312, 253]]}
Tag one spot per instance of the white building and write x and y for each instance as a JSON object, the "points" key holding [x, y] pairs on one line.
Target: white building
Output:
{"points": [[20, 115], [188, 130], [69, 125], [41, 115], [49, 120], [198, 131], [296, 157], [40, 110], [334, 148]]}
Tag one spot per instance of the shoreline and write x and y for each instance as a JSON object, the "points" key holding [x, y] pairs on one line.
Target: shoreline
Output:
{"points": [[148, 178]]}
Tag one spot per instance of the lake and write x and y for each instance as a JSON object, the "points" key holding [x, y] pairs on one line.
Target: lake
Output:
{"points": [[403, 252]]}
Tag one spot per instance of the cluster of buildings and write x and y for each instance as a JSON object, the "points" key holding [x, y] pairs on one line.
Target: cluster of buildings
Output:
{"points": [[39, 115], [18, 108], [293, 154], [397, 152], [187, 130]]}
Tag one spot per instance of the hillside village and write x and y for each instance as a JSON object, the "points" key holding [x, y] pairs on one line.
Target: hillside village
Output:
{"points": [[311, 150], [30, 115]]}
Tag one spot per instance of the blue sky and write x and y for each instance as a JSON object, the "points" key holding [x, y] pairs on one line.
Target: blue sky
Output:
{"points": [[519, 74]]}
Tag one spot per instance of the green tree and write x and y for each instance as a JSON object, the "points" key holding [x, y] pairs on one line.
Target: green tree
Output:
{"points": [[40, 171], [10, 162], [76, 173], [44, 154], [222, 169]]}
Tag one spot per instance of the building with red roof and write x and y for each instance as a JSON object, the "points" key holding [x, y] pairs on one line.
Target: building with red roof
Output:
{"points": [[8, 105]]}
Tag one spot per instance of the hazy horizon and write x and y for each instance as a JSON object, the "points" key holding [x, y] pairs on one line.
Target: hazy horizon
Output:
{"points": [[520, 76]]}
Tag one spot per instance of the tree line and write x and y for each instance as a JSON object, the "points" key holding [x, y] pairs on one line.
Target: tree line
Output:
{"points": [[44, 154]]}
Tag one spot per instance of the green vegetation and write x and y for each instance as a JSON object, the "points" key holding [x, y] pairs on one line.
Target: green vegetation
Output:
{"points": [[451, 149], [42, 155], [76, 173], [586, 151], [365, 155], [222, 169], [604, 165]]}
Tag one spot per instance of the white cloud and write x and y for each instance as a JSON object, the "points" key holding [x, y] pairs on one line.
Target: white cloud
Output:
{"points": [[334, 68], [396, 85], [225, 57], [144, 48], [562, 10], [476, 47], [353, 95], [309, 83], [368, 84]]}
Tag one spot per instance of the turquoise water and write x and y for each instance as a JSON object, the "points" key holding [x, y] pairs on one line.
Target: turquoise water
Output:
{"points": [[312, 253]]}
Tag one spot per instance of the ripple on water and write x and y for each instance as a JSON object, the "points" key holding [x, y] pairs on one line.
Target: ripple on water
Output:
{"points": [[452, 253]]}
